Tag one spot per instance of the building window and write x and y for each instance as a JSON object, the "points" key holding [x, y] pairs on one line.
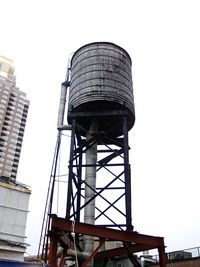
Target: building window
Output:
{"points": [[17, 150], [6, 92], [19, 139], [9, 162], [15, 165], [7, 173], [17, 124], [15, 93], [22, 124], [21, 134], [13, 141], [16, 160], [3, 101], [5, 138], [11, 151], [11, 157], [14, 135], [5, 96]]}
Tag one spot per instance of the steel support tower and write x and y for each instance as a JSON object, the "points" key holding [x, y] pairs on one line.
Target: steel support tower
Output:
{"points": [[112, 170]]}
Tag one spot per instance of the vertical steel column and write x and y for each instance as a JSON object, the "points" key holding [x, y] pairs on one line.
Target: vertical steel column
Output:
{"points": [[70, 180], [162, 256], [52, 259], [127, 174], [79, 176]]}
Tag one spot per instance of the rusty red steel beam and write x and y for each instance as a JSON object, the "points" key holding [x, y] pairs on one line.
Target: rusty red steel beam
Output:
{"points": [[162, 256], [53, 251], [92, 255], [61, 224], [121, 251], [62, 259], [131, 256]]}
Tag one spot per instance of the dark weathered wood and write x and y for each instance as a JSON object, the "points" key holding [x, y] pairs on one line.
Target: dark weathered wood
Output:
{"points": [[101, 79]]}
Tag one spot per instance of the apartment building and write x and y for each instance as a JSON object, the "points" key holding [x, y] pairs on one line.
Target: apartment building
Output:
{"points": [[13, 113]]}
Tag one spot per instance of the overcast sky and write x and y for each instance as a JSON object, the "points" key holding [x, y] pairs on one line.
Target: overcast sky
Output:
{"points": [[162, 38]]}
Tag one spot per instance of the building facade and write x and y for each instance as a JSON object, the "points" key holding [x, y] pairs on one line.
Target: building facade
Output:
{"points": [[14, 200], [14, 196], [13, 113]]}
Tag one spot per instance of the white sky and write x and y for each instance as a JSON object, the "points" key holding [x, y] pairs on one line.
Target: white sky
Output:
{"points": [[162, 38]]}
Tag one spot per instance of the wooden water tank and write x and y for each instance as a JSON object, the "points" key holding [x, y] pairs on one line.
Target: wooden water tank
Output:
{"points": [[101, 80]]}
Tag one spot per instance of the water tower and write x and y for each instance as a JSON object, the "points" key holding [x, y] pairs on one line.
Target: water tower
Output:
{"points": [[100, 115], [101, 112]]}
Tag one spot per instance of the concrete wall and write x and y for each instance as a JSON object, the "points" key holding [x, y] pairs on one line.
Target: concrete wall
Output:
{"points": [[14, 200]]}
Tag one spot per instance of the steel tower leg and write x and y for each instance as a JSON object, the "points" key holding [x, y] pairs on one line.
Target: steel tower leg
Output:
{"points": [[127, 177], [70, 179]]}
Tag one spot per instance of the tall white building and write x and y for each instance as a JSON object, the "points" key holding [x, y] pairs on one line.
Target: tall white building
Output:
{"points": [[14, 197], [13, 113]]}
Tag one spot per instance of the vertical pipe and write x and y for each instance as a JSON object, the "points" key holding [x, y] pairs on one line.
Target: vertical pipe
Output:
{"points": [[63, 94], [127, 174], [90, 180]]}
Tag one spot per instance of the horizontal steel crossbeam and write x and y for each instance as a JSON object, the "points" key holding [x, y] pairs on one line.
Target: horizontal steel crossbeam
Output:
{"points": [[62, 224]]}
